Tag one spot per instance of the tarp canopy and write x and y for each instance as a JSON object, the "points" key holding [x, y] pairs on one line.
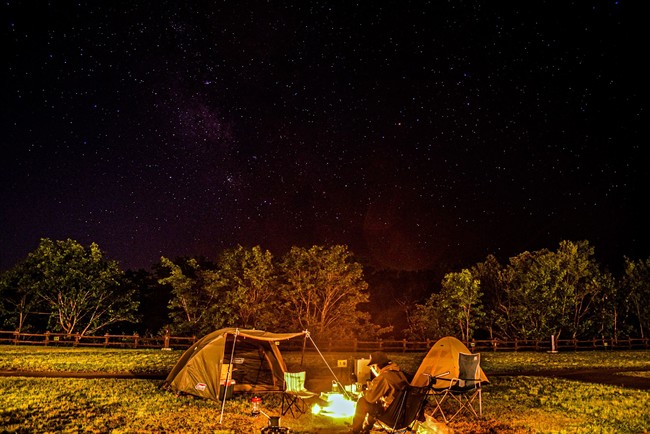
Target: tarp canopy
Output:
{"points": [[442, 357], [257, 363]]}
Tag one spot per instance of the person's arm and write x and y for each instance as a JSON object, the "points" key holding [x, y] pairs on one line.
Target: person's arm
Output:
{"points": [[378, 388]]}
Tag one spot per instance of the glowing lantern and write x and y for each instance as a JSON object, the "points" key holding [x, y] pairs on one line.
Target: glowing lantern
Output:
{"points": [[256, 403]]}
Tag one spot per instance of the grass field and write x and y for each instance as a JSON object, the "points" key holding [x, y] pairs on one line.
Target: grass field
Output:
{"points": [[511, 404]]}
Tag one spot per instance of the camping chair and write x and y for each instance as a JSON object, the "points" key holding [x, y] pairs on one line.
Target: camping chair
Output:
{"points": [[295, 394], [463, 391], [407, 407]]}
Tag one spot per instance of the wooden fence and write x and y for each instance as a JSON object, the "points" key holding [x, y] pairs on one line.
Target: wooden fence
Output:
{"points": [[403, 346], [168, 342], [115, 341]]}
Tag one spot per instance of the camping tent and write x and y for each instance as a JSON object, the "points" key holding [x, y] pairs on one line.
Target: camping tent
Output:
{"points": [[442, 357], [256, 365]]}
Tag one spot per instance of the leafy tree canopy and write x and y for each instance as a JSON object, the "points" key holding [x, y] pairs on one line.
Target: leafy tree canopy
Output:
{"points": [[83, 290]]}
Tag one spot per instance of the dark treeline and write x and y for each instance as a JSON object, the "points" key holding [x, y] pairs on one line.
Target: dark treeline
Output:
{"points": [[63, 286]]}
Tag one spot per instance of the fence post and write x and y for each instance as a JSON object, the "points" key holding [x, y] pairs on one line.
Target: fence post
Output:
{"points": [[515, 344]]}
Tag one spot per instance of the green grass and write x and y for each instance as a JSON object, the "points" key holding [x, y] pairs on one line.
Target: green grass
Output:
{"points": [[530, 361], [498, 362], [547, 405], [511, 404], [153, 361], [87, 359]]}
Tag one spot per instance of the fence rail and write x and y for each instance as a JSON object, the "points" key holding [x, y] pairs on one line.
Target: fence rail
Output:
{"points": [[168, 342], [115, 341]]}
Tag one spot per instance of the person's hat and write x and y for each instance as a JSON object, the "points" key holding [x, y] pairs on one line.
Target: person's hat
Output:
{"points": [[378, 358]]}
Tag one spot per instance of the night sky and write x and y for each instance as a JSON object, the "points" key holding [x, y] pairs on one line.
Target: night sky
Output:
{"points": [[415, 132]]}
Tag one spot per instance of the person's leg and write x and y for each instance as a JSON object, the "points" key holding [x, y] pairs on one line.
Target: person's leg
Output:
{"points": [[360, 414], [364, 408], [374, 410]]}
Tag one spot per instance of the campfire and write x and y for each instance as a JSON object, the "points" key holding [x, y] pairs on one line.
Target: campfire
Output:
{"points": [[338, 405], [341, 401]]}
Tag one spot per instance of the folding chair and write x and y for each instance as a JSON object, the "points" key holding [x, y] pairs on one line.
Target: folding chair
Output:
{"points": [[408, 406], [462, 391], [295, 394]]}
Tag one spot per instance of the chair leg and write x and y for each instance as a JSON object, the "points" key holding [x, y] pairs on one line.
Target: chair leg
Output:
{"points": [[465, 403], [438, 408], [287, 402], [291, 402], [470, 403]]}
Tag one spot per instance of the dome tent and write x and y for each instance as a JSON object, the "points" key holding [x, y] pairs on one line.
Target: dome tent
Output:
{"points": [[441, 358], [257, 364]]}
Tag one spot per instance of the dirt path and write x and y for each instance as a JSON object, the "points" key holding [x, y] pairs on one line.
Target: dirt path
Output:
{"points": [[610, 376], [68, 374]]}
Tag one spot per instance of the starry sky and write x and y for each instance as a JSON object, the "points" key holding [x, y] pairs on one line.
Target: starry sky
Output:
{"points": [[415, 132]]}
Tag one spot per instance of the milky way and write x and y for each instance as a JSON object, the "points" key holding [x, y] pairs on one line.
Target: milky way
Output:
{"points": [[414, 132]]}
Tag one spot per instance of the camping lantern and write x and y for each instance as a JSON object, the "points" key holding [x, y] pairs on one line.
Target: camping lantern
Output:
{"points": [[256, 403]]}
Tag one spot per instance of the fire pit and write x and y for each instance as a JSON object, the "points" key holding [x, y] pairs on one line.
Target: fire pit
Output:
{"points": [[337, 405]]}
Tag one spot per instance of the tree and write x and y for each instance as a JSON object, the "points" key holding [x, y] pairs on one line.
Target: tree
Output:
{"points": [[610, 309], [83, 290], [489, 273], [579, 283], [429, 321], [549, 293], [454, 311], [196, 305], [636, 281], [323, 288], [528, 300], [18, 300], [460, 297], [250, 283], [153, 299]]}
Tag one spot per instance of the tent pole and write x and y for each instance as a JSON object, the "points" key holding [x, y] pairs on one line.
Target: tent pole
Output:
{"points": [[304, 345], [328, 367], [225, 392]]}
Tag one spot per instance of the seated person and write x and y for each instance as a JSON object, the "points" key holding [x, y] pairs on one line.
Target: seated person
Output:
{"points": [[389, 381]]}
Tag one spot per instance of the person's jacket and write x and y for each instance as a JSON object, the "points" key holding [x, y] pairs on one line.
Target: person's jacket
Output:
{"points": [[386, 385]]}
